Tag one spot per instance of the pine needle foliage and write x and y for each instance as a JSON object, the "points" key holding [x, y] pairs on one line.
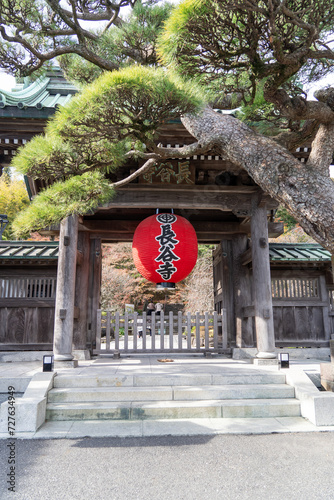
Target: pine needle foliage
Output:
{"points": [[116, 114], [77, 195]]}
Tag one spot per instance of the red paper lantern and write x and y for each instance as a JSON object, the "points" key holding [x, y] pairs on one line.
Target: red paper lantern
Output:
{"points": [[165, 248]]}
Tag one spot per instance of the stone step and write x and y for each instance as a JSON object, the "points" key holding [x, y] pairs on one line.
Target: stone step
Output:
{"points": [[170, 393], [264, 408], [76, 394], [250, 391], [149, 380]]}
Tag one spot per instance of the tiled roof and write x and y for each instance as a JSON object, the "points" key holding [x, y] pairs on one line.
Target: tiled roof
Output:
{"points": [[28, 250], [48, 250], [298, 252], [45, 94]]}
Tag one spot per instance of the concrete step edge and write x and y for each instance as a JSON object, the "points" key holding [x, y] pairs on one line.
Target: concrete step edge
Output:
{"points": [[144, 380], [172, 410], [269, 391], [174, 404], [68, 390]]}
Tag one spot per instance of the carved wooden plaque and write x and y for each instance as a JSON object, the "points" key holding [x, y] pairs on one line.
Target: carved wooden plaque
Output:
{"points": [[170, 172]]}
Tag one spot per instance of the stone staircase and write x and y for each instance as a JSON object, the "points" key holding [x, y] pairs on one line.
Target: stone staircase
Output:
{"points": [[173, 396]]}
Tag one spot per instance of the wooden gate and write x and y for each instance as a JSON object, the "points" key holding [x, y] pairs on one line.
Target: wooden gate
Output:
{"points": [[134, 333], [27, 305]]}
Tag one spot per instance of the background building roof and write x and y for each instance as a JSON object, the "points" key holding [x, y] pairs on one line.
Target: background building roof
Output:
{"points": [[48, 250], [298, 252], [38, 99], [24, 252]]}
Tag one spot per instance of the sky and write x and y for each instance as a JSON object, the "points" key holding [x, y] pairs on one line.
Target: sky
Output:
{"points": [[7, 82]]}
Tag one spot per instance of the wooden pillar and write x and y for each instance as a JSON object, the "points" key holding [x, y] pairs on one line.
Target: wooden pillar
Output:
{"points": [[242, 292], [227, 290], [81, 292], [95, 270], [264, 324], [64, 309]]}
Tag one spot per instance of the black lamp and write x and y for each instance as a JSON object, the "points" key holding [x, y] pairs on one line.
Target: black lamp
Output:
{"points": [[283, 359], [47, 363]]}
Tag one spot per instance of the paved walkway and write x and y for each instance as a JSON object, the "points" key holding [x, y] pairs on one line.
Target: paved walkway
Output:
{"points": [[20, 373]]}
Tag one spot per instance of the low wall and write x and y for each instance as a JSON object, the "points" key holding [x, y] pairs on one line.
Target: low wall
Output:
{"points": [[321, 353]]}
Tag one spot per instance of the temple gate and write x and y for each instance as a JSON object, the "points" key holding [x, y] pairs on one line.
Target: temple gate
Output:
{"points": [[225, 207]]}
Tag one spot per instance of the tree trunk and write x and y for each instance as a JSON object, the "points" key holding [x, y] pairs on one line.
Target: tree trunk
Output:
{"points": [[304, 191]]}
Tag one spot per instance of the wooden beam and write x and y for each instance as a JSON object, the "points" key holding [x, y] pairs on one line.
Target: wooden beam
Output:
{"points": [[224, 198], [129, 226], [180, 200], [27, 302], [209, 238], [26, 347], [206, 231]]}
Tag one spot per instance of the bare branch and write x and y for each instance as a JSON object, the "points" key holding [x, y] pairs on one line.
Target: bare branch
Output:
{"points": [[296, 138], [298, 108], [136, 174], [75, 26]]}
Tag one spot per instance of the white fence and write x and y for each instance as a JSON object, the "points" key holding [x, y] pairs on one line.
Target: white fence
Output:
{"points": [[134, 333]]}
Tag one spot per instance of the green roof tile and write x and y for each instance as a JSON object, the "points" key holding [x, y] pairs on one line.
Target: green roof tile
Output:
{"points": [[46, 93], [304, 252], [28, 250], [37, 250]]}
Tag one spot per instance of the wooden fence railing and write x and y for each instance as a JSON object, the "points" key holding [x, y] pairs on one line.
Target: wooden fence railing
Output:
{"points": [[160, 333]]}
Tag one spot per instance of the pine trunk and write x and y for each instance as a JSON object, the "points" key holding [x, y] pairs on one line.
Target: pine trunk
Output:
{"points": [[303, 190]]}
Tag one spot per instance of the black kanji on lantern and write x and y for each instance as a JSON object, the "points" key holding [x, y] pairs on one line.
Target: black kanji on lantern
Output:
{"points": [[166, 238], [167, 243], [166, 270], [167, 255]]}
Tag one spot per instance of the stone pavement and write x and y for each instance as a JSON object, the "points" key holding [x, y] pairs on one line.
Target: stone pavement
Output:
{"points": [[18, 374]]}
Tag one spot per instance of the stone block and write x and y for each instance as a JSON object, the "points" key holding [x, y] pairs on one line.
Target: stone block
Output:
{"points": [[317, 406], [29, 415], [327, 376], [324, 409], [30, 410]]}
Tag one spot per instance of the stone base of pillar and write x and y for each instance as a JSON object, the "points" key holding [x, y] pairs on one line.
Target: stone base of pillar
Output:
{"points": [[63, 357], [266, 355], [265, 361], [73, 363], [81, 354]]}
